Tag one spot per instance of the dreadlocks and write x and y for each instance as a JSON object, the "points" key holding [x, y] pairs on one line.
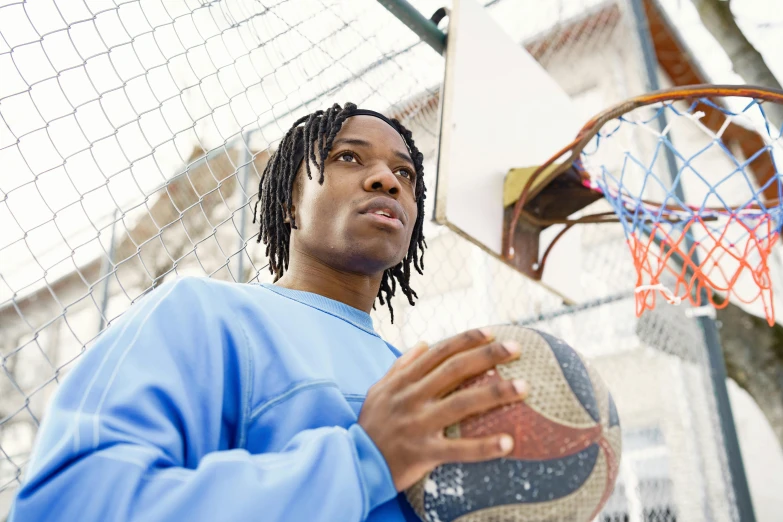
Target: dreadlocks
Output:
{"points": [[311, 138]]}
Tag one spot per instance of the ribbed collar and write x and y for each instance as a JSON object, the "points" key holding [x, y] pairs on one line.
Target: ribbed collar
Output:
{"points": [[347, 313]]}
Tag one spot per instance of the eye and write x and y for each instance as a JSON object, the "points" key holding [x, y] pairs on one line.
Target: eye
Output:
{"points": [[348, 157], [405, 173]]}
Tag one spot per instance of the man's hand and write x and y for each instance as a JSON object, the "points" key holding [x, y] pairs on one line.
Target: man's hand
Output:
{"points": [[406, 412]]}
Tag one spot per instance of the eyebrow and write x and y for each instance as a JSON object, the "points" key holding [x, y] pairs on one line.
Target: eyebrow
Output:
{"points": [[364, 143]]}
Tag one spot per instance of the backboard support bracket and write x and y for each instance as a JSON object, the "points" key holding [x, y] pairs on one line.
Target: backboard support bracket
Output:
{"points": [[551, 203]]}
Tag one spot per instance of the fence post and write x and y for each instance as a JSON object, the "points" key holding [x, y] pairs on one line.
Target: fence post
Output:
{"points": [[106, 270], [244, 160]]}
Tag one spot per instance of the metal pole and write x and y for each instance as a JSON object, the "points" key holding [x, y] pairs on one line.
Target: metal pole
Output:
{"points": [[707, 324], [568, 310], [416, 22], [247, 158], [108, 266]]}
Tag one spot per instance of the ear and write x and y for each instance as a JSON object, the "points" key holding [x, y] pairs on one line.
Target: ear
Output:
{"points": [[289, 214]]}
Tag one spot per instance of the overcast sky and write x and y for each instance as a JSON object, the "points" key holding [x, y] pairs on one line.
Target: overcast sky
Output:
{"points": [[135, 129]]}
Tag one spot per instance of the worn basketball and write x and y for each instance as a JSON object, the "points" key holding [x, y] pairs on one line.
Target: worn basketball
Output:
{"points": [[566, 451]]}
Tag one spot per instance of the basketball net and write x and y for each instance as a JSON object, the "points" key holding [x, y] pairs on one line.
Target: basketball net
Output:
{"points": [[694, 177], [719, 216]]}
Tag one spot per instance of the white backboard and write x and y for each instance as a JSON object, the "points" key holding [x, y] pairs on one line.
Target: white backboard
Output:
{"points": [[499, 110]]}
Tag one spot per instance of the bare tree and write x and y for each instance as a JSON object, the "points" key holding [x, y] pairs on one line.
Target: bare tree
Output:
{"points": [[718, 18], [754, 360]]}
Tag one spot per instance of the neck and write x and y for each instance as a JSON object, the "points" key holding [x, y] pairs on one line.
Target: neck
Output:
{"points": [[307, 274]]}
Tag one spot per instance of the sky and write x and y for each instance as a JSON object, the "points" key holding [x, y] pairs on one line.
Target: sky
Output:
{"points": [[102, 102]]}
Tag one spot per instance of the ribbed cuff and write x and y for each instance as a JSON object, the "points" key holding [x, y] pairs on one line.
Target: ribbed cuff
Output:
{"points": [[375, 475]]}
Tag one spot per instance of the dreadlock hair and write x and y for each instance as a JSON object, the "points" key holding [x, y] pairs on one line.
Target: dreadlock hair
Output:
{"points": [[311, 138]]}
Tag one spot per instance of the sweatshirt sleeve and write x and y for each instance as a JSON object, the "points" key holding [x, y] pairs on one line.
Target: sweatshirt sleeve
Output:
{"points": [[135, 430]]}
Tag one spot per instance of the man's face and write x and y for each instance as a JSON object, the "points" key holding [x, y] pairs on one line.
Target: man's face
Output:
{"points": [[361, 219]]}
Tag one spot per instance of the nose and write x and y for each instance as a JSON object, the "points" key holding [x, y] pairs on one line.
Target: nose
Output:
{"points": [[382, 179]]}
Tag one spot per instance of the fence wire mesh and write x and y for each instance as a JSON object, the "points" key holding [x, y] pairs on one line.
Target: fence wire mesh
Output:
{"points": [[132, 139]]}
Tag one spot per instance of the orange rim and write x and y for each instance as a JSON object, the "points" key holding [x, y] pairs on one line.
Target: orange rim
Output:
{"points": [[572, 151]]}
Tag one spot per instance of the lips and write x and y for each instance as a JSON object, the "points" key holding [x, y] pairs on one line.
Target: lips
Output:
{"points": [[384, 208]]}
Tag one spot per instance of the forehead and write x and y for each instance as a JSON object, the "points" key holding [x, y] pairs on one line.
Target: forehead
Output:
{"points": [[374, 130]]}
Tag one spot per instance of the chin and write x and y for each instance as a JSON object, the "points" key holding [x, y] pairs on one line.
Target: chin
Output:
{"points": [[372, 259]]}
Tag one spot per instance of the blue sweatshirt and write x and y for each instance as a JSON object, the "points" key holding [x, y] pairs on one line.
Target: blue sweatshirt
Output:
{"points": [[221, 402]]}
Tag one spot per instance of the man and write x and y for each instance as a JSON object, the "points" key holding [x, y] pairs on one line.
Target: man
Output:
{"points": [[217, 401]]}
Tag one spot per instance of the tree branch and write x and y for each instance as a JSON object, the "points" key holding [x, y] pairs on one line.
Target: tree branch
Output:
{"points": [[718, 19], [754, 359]]}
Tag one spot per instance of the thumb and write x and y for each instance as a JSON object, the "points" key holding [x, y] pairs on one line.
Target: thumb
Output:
{"points": [[408, 357]]}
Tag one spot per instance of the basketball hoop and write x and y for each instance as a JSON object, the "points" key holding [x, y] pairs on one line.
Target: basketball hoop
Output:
{"points": [[694, 177]]}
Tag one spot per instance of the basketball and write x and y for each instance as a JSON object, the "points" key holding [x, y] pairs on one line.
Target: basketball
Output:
{"points": [[566, 444]]}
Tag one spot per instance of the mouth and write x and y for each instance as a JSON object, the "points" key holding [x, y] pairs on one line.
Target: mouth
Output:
{"points": [[384, 210], [381, 217], [384, 213]]}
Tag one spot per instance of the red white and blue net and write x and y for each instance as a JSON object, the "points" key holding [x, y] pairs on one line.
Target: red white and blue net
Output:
{"points": [[696, 185]]}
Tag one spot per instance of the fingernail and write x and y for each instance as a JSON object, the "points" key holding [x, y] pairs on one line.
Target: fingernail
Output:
{"points": [[421, 345], [512, 347], [486, 333], [520, 386], [506, 443]]}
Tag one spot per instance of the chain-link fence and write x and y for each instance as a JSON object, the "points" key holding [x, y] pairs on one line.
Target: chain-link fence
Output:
{"points": [[132, 139]]}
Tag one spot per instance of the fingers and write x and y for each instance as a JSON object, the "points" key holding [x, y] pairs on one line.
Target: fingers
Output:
{"points": [[456, 370], [406, 412], [479, 399], [446, 349], [473, 450]]}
